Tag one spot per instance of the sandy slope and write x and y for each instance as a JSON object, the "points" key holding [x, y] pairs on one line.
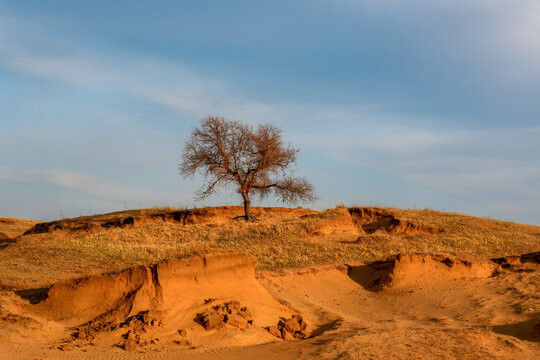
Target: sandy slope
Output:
{"points": [[434, 317], [411, 306]]}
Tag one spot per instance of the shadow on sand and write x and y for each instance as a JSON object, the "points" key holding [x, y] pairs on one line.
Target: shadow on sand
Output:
{"points": [[525, 330], [368, 275], [33, 296]]}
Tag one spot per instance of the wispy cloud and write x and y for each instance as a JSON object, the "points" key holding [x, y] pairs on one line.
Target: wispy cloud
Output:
{"points": [[496, 40], [486, 166], [89, 184], [170, 84]]}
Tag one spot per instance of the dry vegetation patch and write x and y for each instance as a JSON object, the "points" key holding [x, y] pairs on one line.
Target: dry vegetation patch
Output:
{"points": [[10, 228]]}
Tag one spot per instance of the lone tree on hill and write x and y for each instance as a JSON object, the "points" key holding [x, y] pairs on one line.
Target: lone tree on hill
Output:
{"points": [[253, 159]]}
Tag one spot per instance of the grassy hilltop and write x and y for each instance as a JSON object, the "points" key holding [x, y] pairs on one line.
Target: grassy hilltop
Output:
{"points": [[34, 255]]}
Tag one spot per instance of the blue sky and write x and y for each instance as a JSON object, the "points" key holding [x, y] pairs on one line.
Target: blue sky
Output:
{"points": [[412, 104]]}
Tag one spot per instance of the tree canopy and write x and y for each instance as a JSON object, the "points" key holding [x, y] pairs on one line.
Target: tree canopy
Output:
{"points": [[253, 159]]}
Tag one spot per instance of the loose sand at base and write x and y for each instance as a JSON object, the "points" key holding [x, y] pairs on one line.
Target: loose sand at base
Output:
{"points": [[429, 306]]}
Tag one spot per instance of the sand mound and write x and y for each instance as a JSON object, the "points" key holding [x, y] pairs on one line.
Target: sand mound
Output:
{"points": [[371, 219], [406, 269]]}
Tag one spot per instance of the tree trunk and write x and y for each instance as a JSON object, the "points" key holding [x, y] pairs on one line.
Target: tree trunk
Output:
{"points": [[247, 206]]}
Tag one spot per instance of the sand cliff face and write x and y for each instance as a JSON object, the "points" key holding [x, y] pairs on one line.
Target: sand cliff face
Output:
{"points": [[178, 284], [371, 219], [407, 269], [167, 286]]}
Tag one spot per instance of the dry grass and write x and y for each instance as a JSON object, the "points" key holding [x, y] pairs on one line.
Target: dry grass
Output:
{"points": [[35, 261], [11, 228]]}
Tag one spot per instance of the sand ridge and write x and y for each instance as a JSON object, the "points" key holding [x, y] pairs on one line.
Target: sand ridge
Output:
{"points": [[141, 217], [282, 238]]}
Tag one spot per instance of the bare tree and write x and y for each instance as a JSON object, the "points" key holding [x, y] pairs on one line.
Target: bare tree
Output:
{"points": [[252, 159]]}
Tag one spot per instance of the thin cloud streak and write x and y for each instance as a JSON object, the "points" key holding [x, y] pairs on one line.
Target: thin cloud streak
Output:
{"points": [[168, 84], [504, 174], [86, 183]]}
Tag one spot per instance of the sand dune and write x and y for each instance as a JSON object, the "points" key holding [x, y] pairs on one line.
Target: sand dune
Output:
{"points": [[408, 306]]}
